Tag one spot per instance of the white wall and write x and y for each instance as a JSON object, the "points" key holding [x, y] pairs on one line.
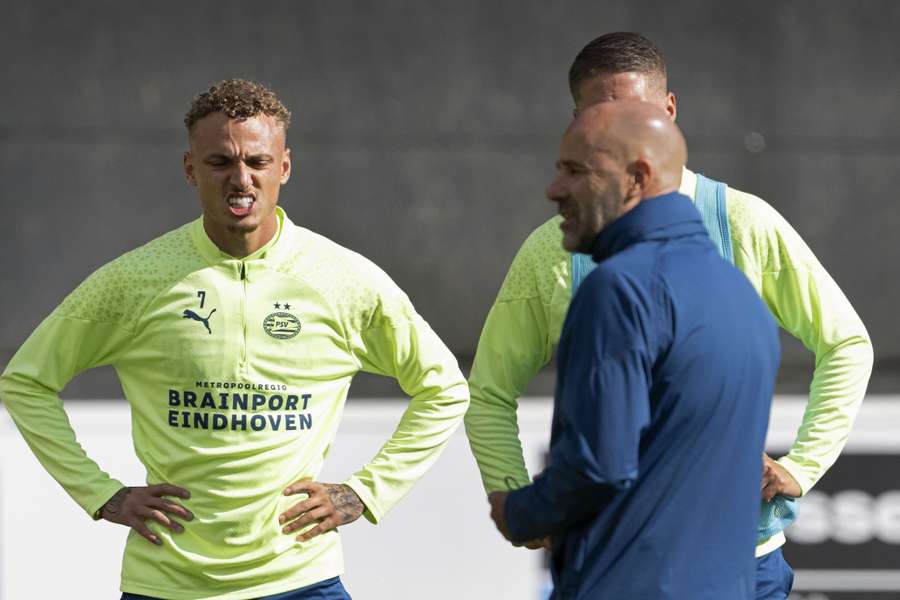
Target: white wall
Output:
{"points": [[438, 543]]}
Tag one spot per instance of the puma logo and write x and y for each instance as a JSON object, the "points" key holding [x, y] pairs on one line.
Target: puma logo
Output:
{"points": [[189, 314]]}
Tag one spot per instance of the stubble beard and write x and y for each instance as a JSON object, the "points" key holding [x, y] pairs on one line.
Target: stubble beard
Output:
{"points": [[607, 210], [241, 229]]}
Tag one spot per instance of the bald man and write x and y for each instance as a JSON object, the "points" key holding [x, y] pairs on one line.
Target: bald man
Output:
{"points": [[522, 330], [667, 361]]}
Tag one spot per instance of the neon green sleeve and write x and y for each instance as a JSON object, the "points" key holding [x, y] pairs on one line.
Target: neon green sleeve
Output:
{"points": [[518, 338], [64, 345], [398, 343], [809, 305]]}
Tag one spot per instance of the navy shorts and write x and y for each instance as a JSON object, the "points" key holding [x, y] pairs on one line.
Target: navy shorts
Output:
{"points": [[774, 577], [330, 589]]}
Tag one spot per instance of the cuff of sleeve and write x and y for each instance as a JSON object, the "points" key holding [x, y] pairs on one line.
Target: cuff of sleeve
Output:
{"points": [[510, 483], [371, 513], [518, 523], [798, 473], [96, 502]]}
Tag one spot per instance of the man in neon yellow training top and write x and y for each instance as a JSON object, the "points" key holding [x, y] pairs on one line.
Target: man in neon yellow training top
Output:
{"points": [[524, 324], [235, 338]]}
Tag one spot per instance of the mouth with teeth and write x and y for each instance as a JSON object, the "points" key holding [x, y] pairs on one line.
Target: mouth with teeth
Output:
{"points": [[240, 206], [568, 219]]}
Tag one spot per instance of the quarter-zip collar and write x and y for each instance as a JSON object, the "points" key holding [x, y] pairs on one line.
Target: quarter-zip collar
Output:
{"points": [[272, 251], [662, 217]]}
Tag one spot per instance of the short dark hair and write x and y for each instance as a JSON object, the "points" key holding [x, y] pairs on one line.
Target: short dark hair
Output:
{"points": [[239, 99], [618, 52]]}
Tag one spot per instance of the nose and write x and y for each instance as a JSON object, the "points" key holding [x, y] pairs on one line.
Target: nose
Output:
{"points": [[556, 191], [241, 176]]}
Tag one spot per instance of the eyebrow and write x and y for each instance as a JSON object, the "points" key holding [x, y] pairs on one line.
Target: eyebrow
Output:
{"points": [[230, 157], [571, 163]]}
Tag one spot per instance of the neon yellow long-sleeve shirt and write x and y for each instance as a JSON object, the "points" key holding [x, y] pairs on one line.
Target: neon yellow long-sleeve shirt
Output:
{"points": [[236, 372], [524, 325]]}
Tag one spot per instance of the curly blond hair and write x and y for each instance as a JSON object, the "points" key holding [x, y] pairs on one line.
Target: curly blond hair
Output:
{"points": [[239, 99]]}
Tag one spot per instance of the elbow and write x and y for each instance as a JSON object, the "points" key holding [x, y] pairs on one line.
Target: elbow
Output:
{"points": [[854, 352], [463, 398], [861, 348], [454, 400], [868, 351], [6, 386]]}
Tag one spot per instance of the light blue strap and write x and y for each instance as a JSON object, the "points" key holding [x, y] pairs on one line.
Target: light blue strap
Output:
{"points": [[775, 516], [582, 265], [709, 198]]}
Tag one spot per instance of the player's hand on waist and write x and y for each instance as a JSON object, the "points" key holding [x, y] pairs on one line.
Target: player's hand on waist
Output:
{"points": [[329, 505], [777, 481], [134, 506], [497, 500]]}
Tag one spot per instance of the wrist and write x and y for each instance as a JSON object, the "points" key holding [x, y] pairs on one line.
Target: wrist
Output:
{"points": [[113, 506]]}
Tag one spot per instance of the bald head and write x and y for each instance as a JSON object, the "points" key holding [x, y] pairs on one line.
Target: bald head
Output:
{"points": [[612, 156], [641, 137]]}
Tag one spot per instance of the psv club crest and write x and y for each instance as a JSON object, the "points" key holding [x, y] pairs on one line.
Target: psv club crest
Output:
{"points": [[281, 324]]}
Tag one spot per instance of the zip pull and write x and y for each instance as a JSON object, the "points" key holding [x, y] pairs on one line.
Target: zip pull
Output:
{"points": [[243, 271]]}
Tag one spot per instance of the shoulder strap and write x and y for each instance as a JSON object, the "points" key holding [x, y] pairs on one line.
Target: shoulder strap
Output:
{"points": [[582, 265], [709, 198]]}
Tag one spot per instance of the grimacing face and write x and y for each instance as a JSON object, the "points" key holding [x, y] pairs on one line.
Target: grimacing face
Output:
{"points": [[609, 87], [588, 191], [238, 167]]}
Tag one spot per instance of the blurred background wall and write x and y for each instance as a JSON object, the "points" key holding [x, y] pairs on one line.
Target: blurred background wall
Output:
{"points": [[425, 134]]}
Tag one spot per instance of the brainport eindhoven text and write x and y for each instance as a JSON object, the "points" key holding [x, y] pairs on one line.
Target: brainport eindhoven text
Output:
{"points": [[229, 410]]}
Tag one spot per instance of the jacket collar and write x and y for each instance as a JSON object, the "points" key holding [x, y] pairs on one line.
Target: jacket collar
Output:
{"points": [[662, 217], [271, 251]]}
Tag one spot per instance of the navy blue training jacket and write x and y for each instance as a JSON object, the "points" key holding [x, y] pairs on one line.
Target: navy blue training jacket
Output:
{"points": [[666, 366]]}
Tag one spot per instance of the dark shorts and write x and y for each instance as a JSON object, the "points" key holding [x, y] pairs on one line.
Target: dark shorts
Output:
{"points": [[774, 577], [330, 589]]}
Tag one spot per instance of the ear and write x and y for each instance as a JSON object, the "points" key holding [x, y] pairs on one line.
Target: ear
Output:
{"points": [[189, 168], [671, 106], [286, 166], [640, 179]]}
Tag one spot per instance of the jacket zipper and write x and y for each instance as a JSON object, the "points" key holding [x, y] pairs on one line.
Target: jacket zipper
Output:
{"points": [[243, 365]]}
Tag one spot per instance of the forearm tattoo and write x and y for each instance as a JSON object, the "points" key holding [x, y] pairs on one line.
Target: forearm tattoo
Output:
{"points": [[114, 504], [345, 501]]}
